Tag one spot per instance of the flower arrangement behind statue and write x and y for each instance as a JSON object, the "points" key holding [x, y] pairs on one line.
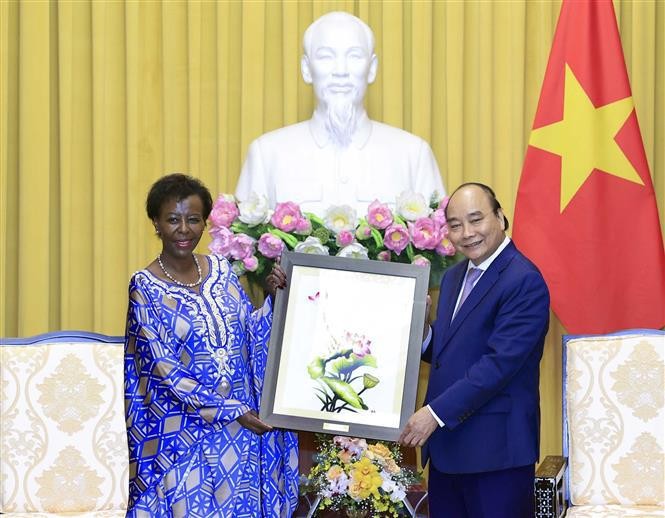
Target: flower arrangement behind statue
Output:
{"points": [[358, 477], [252, 236]]}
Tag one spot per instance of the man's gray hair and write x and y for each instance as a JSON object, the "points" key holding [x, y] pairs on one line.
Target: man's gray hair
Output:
{"points": [[341, 15]]}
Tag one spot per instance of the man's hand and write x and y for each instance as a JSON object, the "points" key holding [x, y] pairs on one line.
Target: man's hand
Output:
{"points": [[418, 428], [275, 279], [251, 421]]}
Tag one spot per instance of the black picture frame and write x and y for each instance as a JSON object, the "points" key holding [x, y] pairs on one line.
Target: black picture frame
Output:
{"points": [[331, 305]]}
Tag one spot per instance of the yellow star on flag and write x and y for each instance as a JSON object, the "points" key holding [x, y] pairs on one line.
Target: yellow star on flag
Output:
{"points": [[584, 139]]}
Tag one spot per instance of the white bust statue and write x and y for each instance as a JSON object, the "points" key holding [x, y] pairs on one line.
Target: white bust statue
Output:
{"points": [[339, 156]]}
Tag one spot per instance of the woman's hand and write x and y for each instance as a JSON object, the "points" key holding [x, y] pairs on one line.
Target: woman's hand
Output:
{"points": [[275, 279], [251, 421]]}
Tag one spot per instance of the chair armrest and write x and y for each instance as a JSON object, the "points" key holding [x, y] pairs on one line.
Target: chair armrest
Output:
{"points": [[549, 489]]}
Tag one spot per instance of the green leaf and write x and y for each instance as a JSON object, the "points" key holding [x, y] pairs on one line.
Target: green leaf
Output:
{"points": [[238, 226], [345, 352], [314, 218], [316, 368], [409, 252], [344, 391], [347, 365], [378, 239], [323, 402], [323, 393]]}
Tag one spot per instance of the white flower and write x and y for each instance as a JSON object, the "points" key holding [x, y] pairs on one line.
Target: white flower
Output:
{"points": [[254, 210], [336, 487], [340, 217], [398, 494], [396, 491], [412, 206], [311, 245], [354, 250]]}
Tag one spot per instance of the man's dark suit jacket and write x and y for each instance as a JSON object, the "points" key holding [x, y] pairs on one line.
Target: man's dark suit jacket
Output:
{"points": [[484, 374]]}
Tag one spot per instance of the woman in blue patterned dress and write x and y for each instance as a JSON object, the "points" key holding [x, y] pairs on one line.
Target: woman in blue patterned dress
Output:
{"points": [[195, 356]]}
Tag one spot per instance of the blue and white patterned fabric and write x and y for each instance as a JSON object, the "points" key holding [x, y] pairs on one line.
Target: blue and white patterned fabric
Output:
{"points": [[194, 363]]}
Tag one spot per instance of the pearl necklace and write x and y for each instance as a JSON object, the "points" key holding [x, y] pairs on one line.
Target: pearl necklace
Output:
{"points": [[176, 281]]}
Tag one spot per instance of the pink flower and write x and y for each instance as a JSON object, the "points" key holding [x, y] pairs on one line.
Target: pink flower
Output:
{"points": [[439, 217], [220, 232], [396, 238], [346, 456], [424, 233], [420, 260], [379, 215], [445, 247], [250, 263], [344, 238], [383, 255], [221, 241], [270, 246], [444, 202], [286, 216], [360, 343], [303, 227], [224, 211], [242, 246], [353, 445]]}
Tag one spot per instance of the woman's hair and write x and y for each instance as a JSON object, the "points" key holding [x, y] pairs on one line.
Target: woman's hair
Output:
{"points": [[176, 186]]}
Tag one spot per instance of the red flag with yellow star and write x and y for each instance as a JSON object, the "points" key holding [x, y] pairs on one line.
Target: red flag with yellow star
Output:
{"points": [[586, 212]]}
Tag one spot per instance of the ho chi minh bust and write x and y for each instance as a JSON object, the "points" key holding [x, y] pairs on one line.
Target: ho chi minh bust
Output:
{"points": [[339, 156]]}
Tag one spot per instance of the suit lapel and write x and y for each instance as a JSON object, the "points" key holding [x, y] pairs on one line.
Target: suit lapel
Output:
{"points": [[451, 298], [479, 291]]}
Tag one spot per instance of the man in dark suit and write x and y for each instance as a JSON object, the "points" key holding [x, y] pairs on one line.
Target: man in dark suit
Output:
{"points": [[481, 419]]}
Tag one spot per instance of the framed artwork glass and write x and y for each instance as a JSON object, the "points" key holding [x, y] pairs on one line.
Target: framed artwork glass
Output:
{"points": [[345, 346]]}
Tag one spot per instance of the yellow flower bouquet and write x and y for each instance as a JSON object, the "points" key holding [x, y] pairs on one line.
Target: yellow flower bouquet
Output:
{"points": [[359, 478]]}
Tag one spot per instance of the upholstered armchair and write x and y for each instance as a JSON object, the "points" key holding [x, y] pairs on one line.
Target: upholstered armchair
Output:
{"points": [[63, 447], [613, 433]]}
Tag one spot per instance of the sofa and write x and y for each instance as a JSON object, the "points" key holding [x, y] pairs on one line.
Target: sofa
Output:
{"points": [[63, 448]]}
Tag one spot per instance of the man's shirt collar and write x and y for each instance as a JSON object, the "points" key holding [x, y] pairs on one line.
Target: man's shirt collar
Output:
{"points": [[486, 263]]}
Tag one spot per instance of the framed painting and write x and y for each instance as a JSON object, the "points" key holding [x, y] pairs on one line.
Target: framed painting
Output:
{"points": [[345, 346]]}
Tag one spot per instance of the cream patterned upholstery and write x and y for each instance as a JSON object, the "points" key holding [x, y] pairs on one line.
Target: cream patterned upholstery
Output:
{"points": [[63, 447], [615, 424], [615, 511]]}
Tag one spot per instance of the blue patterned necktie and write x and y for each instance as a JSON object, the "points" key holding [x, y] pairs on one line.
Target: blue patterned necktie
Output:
{"points": [[471, 278]]}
